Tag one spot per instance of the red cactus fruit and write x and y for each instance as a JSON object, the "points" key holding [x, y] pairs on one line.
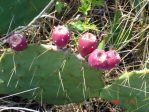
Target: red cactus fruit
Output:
{"points": [[87, 43], [100, 59], [60, 36], [97, 59], [17, 42], [113, 59]]}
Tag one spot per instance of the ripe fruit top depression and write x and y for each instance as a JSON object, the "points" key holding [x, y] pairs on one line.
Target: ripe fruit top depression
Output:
{"points": [[60, 36], [17, 42], [87, 43]]}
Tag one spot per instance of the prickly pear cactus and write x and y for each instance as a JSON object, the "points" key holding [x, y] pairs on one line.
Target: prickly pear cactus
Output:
{"points": [[130, 90], [48, 76], [14, 13]]}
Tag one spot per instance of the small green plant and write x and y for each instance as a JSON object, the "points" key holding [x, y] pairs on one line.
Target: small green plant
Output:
{"points": [[82, 26], [87, 5]]}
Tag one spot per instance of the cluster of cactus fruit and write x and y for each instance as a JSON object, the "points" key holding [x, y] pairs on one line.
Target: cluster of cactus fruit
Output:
{"points": [[87, 47], [65, 78]]}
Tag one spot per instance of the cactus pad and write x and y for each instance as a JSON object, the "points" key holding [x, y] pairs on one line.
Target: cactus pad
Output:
{"points": [[48, 76], [130, 90], [16, 13]]}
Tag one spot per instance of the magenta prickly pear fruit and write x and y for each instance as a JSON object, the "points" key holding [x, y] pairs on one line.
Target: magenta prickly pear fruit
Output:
{"points": [[100, 59], [60, 36], [113, 59], [87, 43], [17, 42], [97, 59]]}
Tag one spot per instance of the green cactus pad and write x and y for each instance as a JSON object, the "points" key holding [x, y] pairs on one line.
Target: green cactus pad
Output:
{"points": [[131, 90], [48, 76], [14, 13]]}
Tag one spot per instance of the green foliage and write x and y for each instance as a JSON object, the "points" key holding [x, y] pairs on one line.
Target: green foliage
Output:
{"points": [[137, 4], [131, 90], [14, 13], [82, 26], [86, 5], [141, 11], [116, 21], [102, 44], [120, 32], [59, 6], [97, 2], [60, 77]]}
